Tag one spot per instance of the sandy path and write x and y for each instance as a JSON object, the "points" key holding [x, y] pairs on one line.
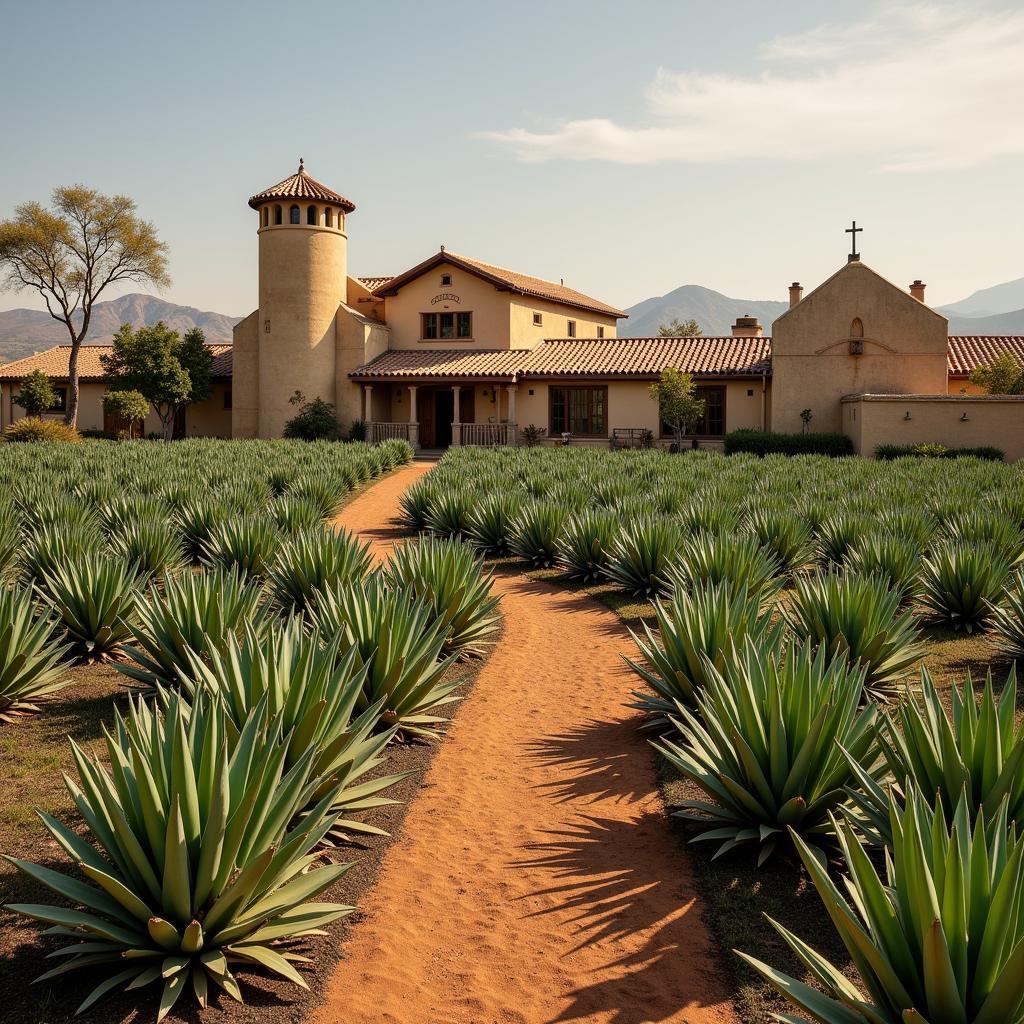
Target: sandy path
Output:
{"points": [[535, 879]]}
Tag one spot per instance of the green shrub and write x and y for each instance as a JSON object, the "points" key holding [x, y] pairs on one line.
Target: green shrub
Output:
{"points": [[769, 746], [887, 452], [858, 617], [641, 555], [30, 428], [537, 533], [532, 436], [311, 561], [937, 938], [586, 544], [764, 442], [315, 421], [695, 634], [30, 661], [447, 576], [36, 394], [960, 584], [201, 861]]}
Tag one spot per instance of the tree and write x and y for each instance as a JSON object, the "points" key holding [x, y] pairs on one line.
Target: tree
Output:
{"points": [[127, 406], [71, 252], [680, 408], [150, 360], [315, 421], [1003, 376], [37, 395], [195, 356], [680, 329]]}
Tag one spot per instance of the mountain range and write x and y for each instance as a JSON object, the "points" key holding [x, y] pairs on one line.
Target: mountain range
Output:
{"points": [[996, 310], [24, 331]]}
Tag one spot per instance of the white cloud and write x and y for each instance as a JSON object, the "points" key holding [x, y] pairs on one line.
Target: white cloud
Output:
{"points": [[914, 87]]}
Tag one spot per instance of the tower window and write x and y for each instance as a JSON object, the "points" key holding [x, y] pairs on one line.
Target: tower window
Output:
{"points": [[446, 279], [570, 328], [328, 218], [266, 215], [293, 215], [311, 215], [277, 214], [857, 328], [538, 319]]}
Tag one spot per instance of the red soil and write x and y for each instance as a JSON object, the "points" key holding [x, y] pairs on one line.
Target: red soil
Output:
{"points": [[535, 879]]}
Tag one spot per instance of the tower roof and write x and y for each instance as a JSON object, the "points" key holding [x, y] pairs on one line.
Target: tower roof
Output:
{"points": [[301, 185]]}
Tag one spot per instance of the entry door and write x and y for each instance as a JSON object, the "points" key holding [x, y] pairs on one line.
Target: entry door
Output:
{"points": [[444, 409], [425, 409]]}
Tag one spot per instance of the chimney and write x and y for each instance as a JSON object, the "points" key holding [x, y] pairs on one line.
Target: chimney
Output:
{"points": [[796, 293], [917, 290], [747, 327]]}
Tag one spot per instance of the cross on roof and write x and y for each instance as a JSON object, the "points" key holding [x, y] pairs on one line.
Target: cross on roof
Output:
{"points": [[852, 232]]}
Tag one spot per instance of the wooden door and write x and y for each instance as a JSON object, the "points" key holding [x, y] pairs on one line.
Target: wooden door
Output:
{"points": [[425, 411], [467, 405]]}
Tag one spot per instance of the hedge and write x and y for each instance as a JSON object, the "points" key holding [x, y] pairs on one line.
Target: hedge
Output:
{"points": [[765, 442], [936, 451]]}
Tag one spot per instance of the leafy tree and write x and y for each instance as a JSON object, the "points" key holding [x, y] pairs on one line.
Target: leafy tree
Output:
{"points": [[1003, 376], [676, 395], [127, 406], [680, 329], [155, 362], [71, 252], [37, 395], [196, 357]]}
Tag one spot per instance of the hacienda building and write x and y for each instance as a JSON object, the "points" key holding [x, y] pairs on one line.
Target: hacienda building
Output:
{"points": [[455, 351]]}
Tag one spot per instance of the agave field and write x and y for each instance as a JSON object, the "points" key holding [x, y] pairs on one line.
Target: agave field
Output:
{"points": [[269, 671], [792, 604]]}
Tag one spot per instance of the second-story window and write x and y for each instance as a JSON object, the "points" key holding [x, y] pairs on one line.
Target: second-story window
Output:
{"points": [[446, 279], [570, 328], [600, 332], [538, 319], [446, 326]]}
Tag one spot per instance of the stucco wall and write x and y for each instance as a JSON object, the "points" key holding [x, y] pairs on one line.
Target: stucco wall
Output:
{"points": [[245, 372], [357, 341], [904, 341], [554, 322], [998, 420]]}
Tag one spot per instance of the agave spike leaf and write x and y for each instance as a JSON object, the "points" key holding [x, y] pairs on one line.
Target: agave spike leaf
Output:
{"points": [[537, 533], [727, 558], [31, 661], [961, 583], [1008, 617], [642, 554], [311, 560], [586, 544], [268, 812]]}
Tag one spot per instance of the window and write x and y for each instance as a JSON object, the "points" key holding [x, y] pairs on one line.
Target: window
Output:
{"points": [[570, 328], [311, 217], [857, 328], [227, 398], [600, 332], [580, 411], [61, 405], [447, 326], [293, 215], [538, 319], [446, 279], [328, 218], [277, 214], [266, 216], [713, 423]]}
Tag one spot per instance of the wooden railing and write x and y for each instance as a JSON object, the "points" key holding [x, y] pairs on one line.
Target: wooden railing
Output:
{"points": [[388, 431], [486, 433]]}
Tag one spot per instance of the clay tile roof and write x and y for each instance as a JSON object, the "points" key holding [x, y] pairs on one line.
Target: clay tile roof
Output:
{"points": [[966, 351], [443, 363], [301, 186], [373, 283], [647, 357], [54, 363], [508, 280]]}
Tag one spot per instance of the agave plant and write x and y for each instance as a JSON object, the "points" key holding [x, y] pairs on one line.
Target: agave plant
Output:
{"points": [[837, 534], [52, 545], [641, 555], [395, 637], [978, 755], [960, 584], [1008, 618], [724, 558], [193, 617], [450, 513], [307, 684], [695, 634], [244, 542], [31, 663], [976, 526], [858, 616], [295, 515], [312, 560], [10, 541], [415, 505], [490, 522], [94, 600], [537, 533], [154, 546], [447, 577], [197, 519], [586, 544], [323, 489], [939, 938], [766, 745], [787, 536], [896, 558], [201, 859]]}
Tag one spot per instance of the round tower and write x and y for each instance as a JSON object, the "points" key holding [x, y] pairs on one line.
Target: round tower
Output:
{"points": [[303, 277]]}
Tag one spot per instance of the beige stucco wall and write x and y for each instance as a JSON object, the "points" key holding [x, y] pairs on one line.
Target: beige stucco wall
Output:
{"points": [[245, 371], [905, 348], [357, 341], [302, 279], [363, 301], [870, 420], [554, 322]]}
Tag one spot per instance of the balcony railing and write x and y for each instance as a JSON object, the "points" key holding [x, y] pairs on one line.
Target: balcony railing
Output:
{"points": [[388, 431], [484, 433]]}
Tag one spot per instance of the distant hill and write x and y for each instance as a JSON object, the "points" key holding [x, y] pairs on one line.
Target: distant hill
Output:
{"points": [[1001, 298], [24, 331], [998, 323], [715, 312]]}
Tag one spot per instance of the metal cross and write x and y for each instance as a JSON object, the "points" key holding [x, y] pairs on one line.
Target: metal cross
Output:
{"points": [[852, 232]]}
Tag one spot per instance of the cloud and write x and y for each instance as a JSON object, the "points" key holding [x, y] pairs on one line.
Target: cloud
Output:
{"points": [[914, 87]]}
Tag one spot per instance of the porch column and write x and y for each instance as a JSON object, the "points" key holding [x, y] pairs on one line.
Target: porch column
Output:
{"points": [[456, 416], [512, 389], [414, 423], [368, 409]]}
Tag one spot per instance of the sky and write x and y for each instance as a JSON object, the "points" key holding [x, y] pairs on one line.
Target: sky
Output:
{"points": [[628, 148]]}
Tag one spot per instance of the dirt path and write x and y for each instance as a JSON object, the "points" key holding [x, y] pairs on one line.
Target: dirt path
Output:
{"points": [[535, 879]]}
